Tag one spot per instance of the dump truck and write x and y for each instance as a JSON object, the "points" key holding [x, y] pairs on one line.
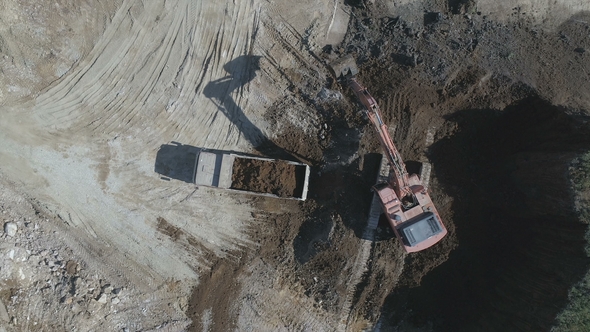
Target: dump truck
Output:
{"points": [[252, 175]]}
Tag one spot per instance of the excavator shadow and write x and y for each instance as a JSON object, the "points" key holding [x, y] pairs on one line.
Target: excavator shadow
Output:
{"points": [[227, 92]]}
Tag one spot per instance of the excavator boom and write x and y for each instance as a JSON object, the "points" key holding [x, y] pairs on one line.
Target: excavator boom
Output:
{"points": [[400, 180]]}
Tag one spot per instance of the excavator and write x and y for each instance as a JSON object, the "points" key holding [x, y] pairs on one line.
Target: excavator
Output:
{"points": [[404, 199]]}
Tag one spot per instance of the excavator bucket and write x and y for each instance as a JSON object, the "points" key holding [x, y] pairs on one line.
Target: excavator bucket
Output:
{"points": [[345, 67]]}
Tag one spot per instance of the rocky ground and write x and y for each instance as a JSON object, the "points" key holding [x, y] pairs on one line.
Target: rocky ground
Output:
{"points": [[50, 284], [103, 107]]}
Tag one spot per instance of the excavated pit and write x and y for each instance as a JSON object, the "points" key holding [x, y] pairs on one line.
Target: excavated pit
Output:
{"points": [[520, 242]]}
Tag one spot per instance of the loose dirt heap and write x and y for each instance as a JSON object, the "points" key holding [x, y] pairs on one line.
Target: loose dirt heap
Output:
{"points": [[271, 177]]}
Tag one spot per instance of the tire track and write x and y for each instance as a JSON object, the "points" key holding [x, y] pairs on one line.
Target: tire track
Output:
{"points": [[134, 103], [283, 309], [358, 269], [65, 86], [402, 116]]}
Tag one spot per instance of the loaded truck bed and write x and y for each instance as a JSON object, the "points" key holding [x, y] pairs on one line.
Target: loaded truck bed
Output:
{"points": [[253, 175]]}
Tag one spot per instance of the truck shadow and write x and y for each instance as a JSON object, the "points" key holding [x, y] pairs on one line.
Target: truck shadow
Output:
{"points": [[176, 161], [222, 92]]}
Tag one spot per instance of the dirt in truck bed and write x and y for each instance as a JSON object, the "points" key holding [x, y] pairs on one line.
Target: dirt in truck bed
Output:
{"points": [[271, 177]]}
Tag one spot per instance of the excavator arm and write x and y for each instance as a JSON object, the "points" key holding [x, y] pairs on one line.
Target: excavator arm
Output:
{"points": [[400, 180]]}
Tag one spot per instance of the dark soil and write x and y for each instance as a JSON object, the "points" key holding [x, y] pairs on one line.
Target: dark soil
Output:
{"points": [[271, 177]]}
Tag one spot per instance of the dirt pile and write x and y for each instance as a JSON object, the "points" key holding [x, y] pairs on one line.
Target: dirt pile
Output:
{"points": [[272, 177]]}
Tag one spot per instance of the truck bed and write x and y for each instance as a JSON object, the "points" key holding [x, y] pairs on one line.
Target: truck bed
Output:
{"points": [[253, 175]]}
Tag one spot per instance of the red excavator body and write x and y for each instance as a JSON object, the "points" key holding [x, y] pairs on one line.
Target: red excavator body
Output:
{"points": [[405, 201]]}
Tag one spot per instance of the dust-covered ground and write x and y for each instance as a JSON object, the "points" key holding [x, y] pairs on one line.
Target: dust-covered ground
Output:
{"points": [[103, 106]]}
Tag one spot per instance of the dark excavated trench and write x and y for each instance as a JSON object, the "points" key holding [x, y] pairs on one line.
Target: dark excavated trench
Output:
{"points": [[521, 245]]}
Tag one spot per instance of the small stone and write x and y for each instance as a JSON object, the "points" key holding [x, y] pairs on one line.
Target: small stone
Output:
{"points": [[102, 298], [71, 267], [3, 313], [10, 229], [67, 300], [76, 308], [117, 291], [115, 300], [93, 306]]}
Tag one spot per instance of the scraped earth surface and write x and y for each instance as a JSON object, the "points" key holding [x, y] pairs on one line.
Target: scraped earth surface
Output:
{"points": [[94, 238]]}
